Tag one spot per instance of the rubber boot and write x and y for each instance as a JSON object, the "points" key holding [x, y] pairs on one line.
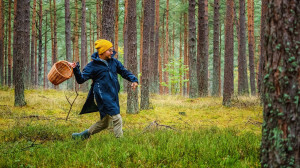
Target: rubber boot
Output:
{"points": [[83, 135]]}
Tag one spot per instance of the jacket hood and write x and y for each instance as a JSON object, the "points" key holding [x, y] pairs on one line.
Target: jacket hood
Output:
{"points": [[95, 56]]}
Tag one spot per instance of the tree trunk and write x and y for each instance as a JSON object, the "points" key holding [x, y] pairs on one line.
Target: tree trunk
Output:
{"points": [[22, 26], [217, 58], [68, 38], [251, 45], [264, 5], [173, 89], [125, 37], [193, 92], [157, 50], [280, 145], [99, 21], [185, 50], [229, 50], [35, 55], [242, 61], [146, 46], [32, 65], [5, 53], [202, 54], [1, 43], [141, 37], [45, 57], [166, 56], [40, 43], [108, 20], [132, 99], [9, 57], [180, 59], [91, 35], [152, 60], [76, 40], [116, 46], [83, 54]]}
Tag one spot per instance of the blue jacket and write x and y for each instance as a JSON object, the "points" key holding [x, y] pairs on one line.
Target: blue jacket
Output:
{"points": [[105, 86]]}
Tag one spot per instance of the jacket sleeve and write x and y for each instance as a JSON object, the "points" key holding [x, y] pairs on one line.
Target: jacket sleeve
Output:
{"points": [[83, 76], [125, 73]]}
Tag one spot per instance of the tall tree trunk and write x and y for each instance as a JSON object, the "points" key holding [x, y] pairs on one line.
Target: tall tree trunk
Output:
{"points": [[55, 36], [166, 56], [264, 5], [193, 92], [180, 59], [108, 20], [202, 54], [40, 43], [91, 35], [141, 36], [217, 58], [157, 50], [76, 40], [9, 58], [173, 89], [35, 55], [185, 50], [125, 37], [229, 50], [132, 99], [99, 17], [68, 38], [45, 56], [5, 53], [152, 60], [116, 46], [163, 52], [146, 46], [280, 145], [32, 65], [83, 54], [242, 61], [251, 45], [1, 43], [22, 27]]}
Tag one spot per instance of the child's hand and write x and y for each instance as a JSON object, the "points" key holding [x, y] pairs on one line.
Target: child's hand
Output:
{"points": [[134, 85], [73, 65]]}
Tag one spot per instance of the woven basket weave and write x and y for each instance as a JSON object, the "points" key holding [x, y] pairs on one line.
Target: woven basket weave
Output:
{"points": [[60, 72]]}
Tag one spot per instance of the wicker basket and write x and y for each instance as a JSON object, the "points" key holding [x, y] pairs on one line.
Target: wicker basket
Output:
{"points": [[60, 72]]}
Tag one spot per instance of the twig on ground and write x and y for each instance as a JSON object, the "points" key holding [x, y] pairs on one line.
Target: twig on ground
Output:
{"points": [[71, 104], [156, 124]]}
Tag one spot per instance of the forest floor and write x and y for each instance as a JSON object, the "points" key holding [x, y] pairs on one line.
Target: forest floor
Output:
{"points": [[175, 132]]}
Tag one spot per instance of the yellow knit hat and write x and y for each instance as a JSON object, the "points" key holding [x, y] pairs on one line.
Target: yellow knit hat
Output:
{"points": [[102, 45]]}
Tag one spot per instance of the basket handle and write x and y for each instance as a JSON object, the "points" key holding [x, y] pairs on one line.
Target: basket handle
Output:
{"points": [[66, 63]]}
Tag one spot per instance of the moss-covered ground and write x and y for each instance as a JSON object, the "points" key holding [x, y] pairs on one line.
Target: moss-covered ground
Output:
{"points": [[175, 132]]}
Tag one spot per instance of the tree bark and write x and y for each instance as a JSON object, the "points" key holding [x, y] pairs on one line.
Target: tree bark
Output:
{"points": [[125, 37], [1, 42], [40, 43], [242, 61], [22, 26], [83, 54], [251, 45], [45, 56], [32, 65], [185, 50], [108, 20], [193, 92], [116, 46], [76, 40], [280, 145], [99, 18], [152, 60], [166, 56], [217, 58], [202, 52], [132, 99], [146, 46], [264, 5], [157, 50], [229, 50], [141, 37], [68, 38]]}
